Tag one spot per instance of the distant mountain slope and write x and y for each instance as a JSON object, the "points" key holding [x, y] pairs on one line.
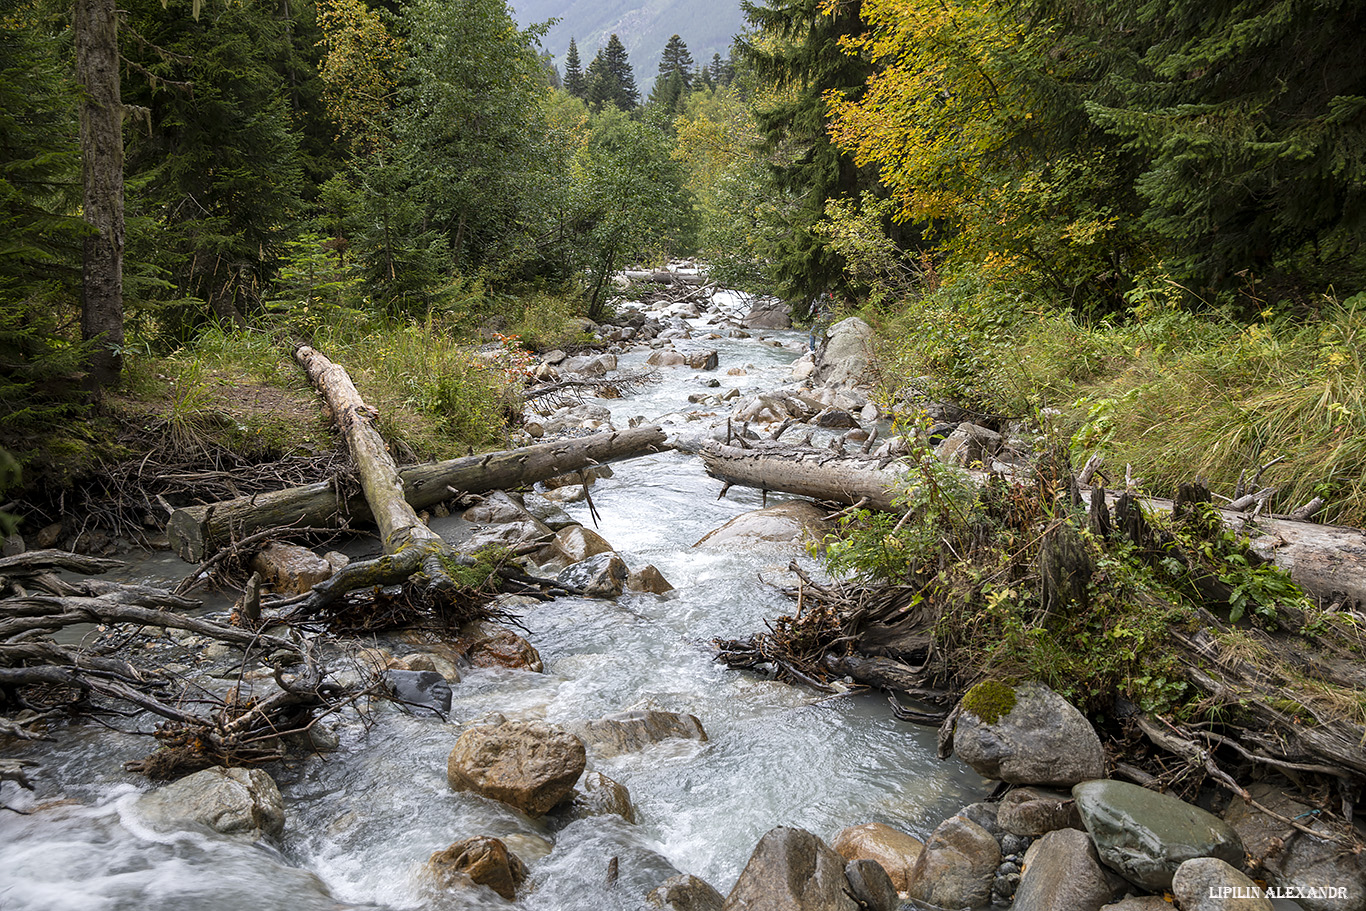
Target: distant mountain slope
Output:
{"points": [[644, 26]]}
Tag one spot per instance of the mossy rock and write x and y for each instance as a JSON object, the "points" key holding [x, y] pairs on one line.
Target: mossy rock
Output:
{"points": [[989, 700]]}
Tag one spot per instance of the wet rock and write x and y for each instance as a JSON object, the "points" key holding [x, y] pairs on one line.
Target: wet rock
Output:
{"points": [[1209, 884], [496, 508], [420, 692], [554, 357], [504, 648], [1145, 835], [603, 576], [337, 560], [525, 764], [791, 870], [986, 815], [768, 313], [703, 360], [957, 867], [785, 523], [685, 892], [48, 535], [844, 359], [648, 580], [835, 419], [544, 511], [289, 568], [597, 795], [1026, 734], [508, 534], [230, 801], [1062, 873], [870, 885], [667, 357], [1035, 811], [1293, 859], [577, 478], [802, 368], [576, 544], [481, 860], [769, 409], [628, 732], [895, 851], [597, 365]]}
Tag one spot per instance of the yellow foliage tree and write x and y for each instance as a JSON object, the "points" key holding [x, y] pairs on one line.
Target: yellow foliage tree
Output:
{"points": [[360, 67]]}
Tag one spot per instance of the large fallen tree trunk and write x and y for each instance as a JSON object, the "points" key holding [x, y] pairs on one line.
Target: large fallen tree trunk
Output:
{"points": [[195, 531], [1327, 561]]}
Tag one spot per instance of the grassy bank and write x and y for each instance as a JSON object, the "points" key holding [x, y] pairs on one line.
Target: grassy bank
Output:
{"points": [[1176, 394]]}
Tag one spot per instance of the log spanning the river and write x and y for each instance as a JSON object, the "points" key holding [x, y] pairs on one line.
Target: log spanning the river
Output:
{"points": [[195, 531], [1327, 561]]}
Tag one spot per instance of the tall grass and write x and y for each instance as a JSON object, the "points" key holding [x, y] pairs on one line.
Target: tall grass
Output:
{"points": [[1176, 395]]}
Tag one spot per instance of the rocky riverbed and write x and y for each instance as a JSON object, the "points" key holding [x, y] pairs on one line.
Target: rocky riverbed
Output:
{"points": [[596, 758]]}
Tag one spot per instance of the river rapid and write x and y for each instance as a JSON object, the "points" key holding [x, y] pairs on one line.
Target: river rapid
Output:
{"points": [[361, 821]]}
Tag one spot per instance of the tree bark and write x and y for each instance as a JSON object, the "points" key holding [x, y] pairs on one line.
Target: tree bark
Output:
{"points": [[1327, 561], [97, 70], [195, 530]]}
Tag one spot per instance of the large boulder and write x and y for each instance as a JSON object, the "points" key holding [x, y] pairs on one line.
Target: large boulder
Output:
{"points": [[768, 313], [525, 764], [703, 360], [896, 851], [230, 801], [957, 867], [1293, 860], [666, 357], [1026, 734], [846, 357], [1209, 884], [603, 576], [629, 732], [791, 523], [968, 444], [552, 515], [1146, 836], [649, 580], [685, 892], [1062, 873], [791, 870], [290, 569], [574, 545], [481, 860], [496, 508]]}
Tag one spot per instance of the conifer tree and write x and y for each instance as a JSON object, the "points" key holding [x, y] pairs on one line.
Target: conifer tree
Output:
{"points": [[796, 49], [574, 82], [676, 59], [609, 78]]}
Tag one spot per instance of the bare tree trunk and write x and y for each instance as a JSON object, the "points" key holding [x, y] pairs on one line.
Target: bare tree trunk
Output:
{"points": [[97, 70]]}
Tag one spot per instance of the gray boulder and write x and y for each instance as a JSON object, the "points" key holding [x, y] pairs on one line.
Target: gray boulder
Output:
{"points": [[1062, 873], [1209, 884], [1026, 734], [603, 576], [597, 795], [528, 765], [957, 867], [791, 870], [552, 515], [290, 569], [768, 313], [230, 801], [789, 523], [496, 508], [762, 409], [420, 692], [685, 892], [845, 359], [1146, 836], [629, 732], [870, 885], [574, 545]]}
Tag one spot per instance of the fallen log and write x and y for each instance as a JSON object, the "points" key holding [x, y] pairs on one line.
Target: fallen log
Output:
{"points": [[194, 531], [1327, 561]]}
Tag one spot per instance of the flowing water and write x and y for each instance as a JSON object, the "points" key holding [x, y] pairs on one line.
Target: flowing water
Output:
{"points": [[362, 821]]}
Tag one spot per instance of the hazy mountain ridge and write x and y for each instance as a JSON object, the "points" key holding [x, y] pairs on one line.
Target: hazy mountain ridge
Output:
{"points": [[706, 26]]}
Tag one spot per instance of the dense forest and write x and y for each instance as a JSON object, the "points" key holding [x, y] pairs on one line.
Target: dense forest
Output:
{"points": [[1077, 213]]}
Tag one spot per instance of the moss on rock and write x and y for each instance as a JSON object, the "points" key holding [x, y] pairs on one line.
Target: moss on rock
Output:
{"points": [[989, 700]]}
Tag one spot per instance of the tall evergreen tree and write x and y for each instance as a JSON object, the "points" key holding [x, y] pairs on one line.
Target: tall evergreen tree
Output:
{"points": [[574, 82], [797, 50], [610, 79], [676, 59]]}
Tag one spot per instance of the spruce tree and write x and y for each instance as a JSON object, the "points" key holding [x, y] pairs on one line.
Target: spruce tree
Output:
{"points": [[609, 78], [796, 49], [574, 82], [676, 59]]}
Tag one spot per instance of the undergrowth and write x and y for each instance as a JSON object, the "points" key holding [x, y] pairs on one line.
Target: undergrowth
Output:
{"points": [[1175, 394]]}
